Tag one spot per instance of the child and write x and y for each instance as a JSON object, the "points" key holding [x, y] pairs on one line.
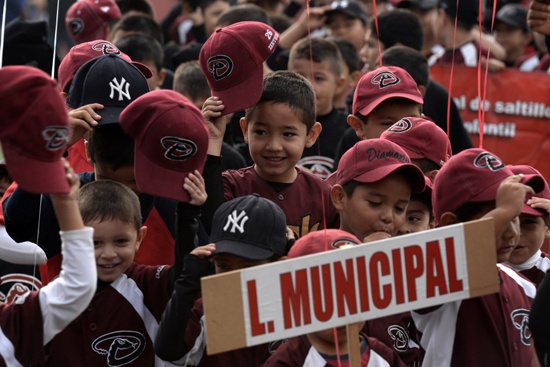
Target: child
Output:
{"points": [[277, 129], [419, 216], [491, 329], [320, 348], [347, 20], [327, 70], [527, 257], [350, 72], [258, 237]]}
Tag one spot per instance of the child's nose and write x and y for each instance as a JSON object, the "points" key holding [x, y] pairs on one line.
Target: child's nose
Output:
{"points": [[274, 144]]}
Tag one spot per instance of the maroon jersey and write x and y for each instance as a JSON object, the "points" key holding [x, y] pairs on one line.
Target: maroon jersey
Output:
{"points": [[302, 201], [536, 273], [119, 325], [467, 55], [297, 352], [398, 332], [527, 62], [491, 330]]}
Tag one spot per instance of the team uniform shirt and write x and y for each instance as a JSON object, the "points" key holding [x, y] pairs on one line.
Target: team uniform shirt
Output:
{"points": [[534, 268], [467, 55], [301, 201], [527, 62], [491, 330], [299, 352]]}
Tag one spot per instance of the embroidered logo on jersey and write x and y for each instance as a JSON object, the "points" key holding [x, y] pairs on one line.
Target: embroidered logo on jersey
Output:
{"points": [[304, 227], [56, 136], [159, 271], [520, 319], [76, 25], [401, 126], [120, 347], [106, 48], [343, 243], [385, 79], [488, 160], [178, 149], [15, 287], [272, 348], [122, 87], [236, 221], [318, 165], [400, 337], [220, 66]]}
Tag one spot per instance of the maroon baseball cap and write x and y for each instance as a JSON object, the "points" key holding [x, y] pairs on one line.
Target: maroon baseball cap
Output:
{"points": [[84, 52], [472, 175], [545, 193], [372, 160], [171, 139], [34, 129], [232, 60], [321, 241], [383, 83], [88, 20], [420, 138]]}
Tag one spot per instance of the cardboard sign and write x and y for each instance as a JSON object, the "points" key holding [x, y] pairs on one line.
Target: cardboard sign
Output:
{"points": [[345, 286]]}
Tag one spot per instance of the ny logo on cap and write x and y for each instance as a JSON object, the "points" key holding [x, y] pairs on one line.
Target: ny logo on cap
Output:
{"points": [[115, 85], [106, 48], [488, 160], [220, 66], [401, 126], [76, 25], [236, 221], [178, 149], [385, 79], [520, 319], [56, 136]]}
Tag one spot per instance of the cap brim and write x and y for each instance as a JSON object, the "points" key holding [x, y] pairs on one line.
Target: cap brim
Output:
{"points": [[532, 211], [244, 95], [144, 69], [416, 175], [240, 249], [36, 176], [371, 106], [109, 115], [490, 193], [157, 181], [348, 12]]}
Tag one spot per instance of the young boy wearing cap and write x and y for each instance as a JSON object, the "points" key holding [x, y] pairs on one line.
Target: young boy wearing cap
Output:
{"points": [[247, 231], [343, 97], [527, 258], [491, 329], [321, 348], [327, 70], [347, 20]]}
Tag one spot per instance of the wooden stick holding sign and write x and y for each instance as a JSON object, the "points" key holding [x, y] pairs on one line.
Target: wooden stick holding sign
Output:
{"points": [[336, 288]]}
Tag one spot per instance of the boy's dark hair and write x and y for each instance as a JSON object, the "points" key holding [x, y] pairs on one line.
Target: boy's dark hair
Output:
{"points": [[348, 52], [320, 50], [142, 48], [409, 59], [469, 210], [280, 22], [349, 187], [425, 199], [242, 13], [206, 3], [108, 200], [291, 89], [426, 165], [139, 24], [143, 6], [190, 81], [108, 144], [399, 26], [395, 101]]}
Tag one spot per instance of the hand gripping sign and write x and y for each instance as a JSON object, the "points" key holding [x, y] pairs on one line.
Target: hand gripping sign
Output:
{"points": [[336, 288]]}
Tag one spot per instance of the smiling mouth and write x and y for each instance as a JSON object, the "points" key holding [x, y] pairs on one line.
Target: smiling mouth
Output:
{"points": [[108, 266]]}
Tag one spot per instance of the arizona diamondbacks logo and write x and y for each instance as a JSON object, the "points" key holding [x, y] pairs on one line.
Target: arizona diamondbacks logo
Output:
{"points": [[120, 347], [385, 79], [106, 48], [220, 66], [178, 149], [76, 25], [488, 160], [401, 126], [56, 136], [236, 221], [520, 319], [400, 337]]}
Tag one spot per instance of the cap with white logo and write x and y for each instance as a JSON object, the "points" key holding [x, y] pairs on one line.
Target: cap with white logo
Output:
{"points": [[88, 20]]}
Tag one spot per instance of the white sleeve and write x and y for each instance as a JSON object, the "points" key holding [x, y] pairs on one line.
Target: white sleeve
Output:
{"points": [[24, 253], [62, 300]]}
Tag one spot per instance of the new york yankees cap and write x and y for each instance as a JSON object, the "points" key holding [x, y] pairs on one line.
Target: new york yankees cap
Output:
{"points": [[348, 7], [88, 20], [420, 138], [109, 80], [545, 193], [472, 175], [372, 160], [250, 227], [171, 140], [321, 241], [84, 52], [381, 84], [232, 60], [34, 129]]}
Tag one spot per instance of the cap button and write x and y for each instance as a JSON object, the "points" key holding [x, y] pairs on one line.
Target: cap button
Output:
{"points": [[281, 197]]}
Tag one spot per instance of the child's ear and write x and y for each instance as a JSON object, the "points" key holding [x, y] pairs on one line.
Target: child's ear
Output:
{"points": [[88, 157], [141, 236], [357, 124], [547, 233], [341, 85], [244, 128], [448, 219], [354, 77], [431, 175], [337, 195], [64, 95], [313, 134], [162, 75], [422, 90]]}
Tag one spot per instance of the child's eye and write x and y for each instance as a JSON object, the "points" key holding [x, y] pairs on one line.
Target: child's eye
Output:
{"points": [[222, 266], [97, 243], [260, 132], [387, 123], [289, 135], [319, 79], [414, 218], [121, 241], [374, 203], [400, 209]]}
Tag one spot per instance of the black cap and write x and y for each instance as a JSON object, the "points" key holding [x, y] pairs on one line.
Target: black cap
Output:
{"points": [[420, 4], [189, 53], [349, 7], [250, 227], [109, 80], [468, 10], [514, 15]]}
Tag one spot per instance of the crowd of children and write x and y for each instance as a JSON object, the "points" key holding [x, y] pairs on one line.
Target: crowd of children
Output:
{"points": [[226, 138]]}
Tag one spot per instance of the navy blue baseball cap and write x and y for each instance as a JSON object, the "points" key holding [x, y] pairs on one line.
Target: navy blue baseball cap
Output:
{"points": [[348, 7], [109, 80]]}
